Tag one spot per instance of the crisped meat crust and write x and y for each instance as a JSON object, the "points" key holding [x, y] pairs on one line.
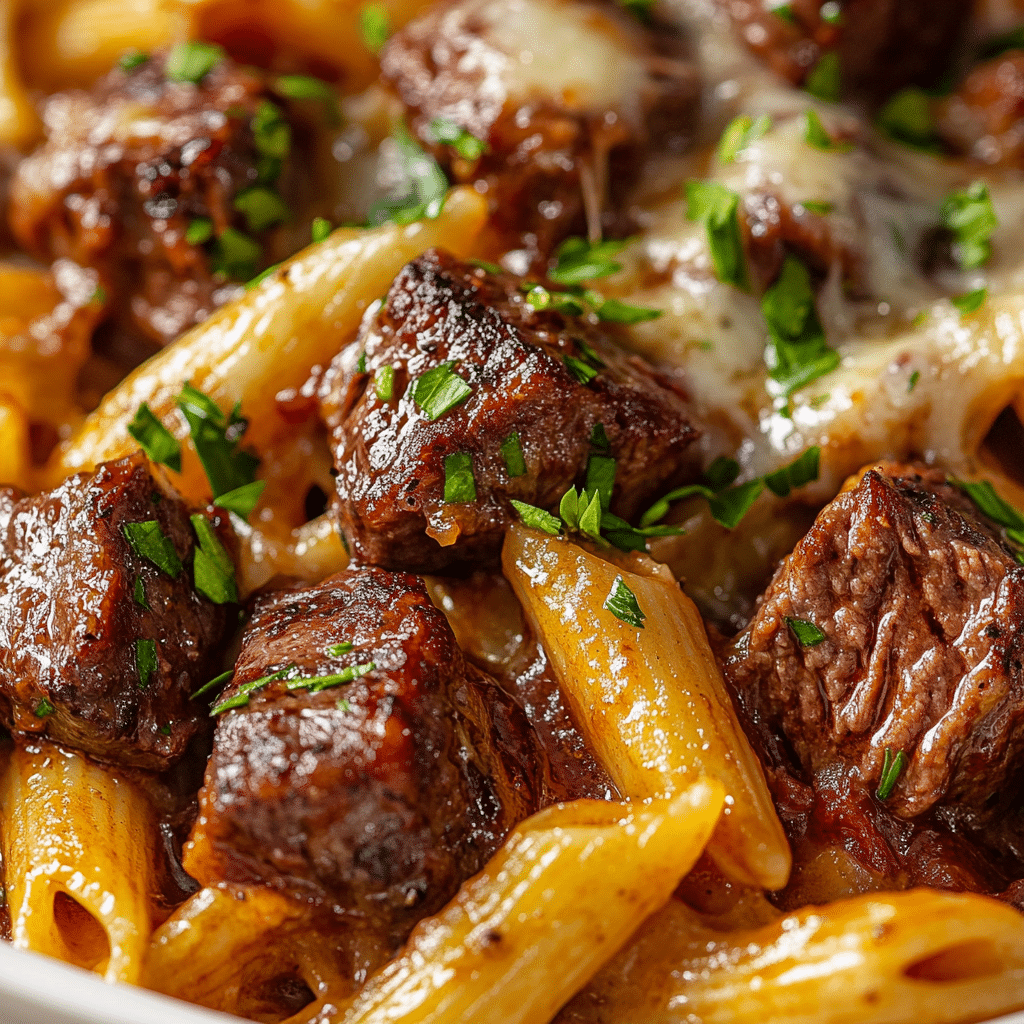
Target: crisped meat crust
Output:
{"points": [[548, 145], [379, 796], [883, 45], [69, 620], [921, 604], [391, 459], [124, 171], [984, 118]]}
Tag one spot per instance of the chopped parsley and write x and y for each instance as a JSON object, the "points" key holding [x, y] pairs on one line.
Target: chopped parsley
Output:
{"points": [[892, 769], [421, 189], [717, 208], [293, 681], [165, 730], [321, 229], [155, 439], [459, 483], [582, 512], [578, 260], [599, 438], [235, 255], [912, 383], [271, 131], [146, 662], [131, 60], [816, 135], [580, 369], [192, 61], [538, 518], [907, 118], [622, 603], [614, 311], [43, 708], [139, 593], [824, 80], [214, 684], [374, 26], [783, 10], [361, 362], [439, 390], [262, 276], [728, 504], [306, 87], [384, 383], [242, 500], [199, 231], [512, 453], [807, 633], [149, 541], [822, 209], [601, 478], [467, 145], [316, 684], [970, 217], [739, 134], [262, 208], [971, 301], [213, 569], [216, 438], [798, 352], [241, 698], [337, 650]]}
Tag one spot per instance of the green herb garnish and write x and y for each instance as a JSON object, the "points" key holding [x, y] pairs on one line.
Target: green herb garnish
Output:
{"points": [[579, 260], [601, 478], [384, 383], [375, 26], [512, 453], [717, 208], [797, 474], [193, 61], [199, 231], [807, 633], [235, 255], [132, 59], [971, 218], [146, 662], [43, 708], [971, 301], [892, 769], [271, 131], [317, 684], [467, 145], [214, 684], [262, 208], [1001, 512], [459, 484], [907, 118], [337, 650], [139, 593], [439, 390], [816, 206], [242, 500], [149, 541], [155, 439], [817, 136], [622, 603], [824, 80], [739, 134], [321, 229], [537, 517], [421, 189]]}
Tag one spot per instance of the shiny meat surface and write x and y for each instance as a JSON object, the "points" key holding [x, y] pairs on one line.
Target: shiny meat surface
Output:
{"points": [[882, 45], [390, 455], [910, 603], [566, 96], [129, 168], [377, 796], [72, 619]]}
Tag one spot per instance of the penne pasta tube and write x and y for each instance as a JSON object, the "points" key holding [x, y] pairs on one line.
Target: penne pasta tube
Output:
{"points": [[921, 955], [79, 857], [568, 888], [651, 700], [19, 124], [270, 339]]}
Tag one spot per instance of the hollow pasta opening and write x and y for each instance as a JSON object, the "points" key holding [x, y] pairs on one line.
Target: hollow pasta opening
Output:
{"points": [[1003, 444], [965, 961], [278, 999], [83, 936]]}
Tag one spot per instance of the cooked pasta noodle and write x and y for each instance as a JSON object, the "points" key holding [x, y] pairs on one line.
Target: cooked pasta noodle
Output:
{"points": [[79, 855]]}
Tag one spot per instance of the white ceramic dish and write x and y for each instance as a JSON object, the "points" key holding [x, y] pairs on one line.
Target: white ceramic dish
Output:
{"points": [[37, 990]]}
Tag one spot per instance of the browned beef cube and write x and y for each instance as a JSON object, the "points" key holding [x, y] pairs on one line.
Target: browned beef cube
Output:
{"points": [[524, 370], [882, 45], [127, 168], [380, 788], [554, 139], [898, 622], [99, 647]]}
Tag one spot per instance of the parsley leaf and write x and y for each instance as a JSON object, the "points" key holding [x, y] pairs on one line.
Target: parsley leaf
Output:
{"points": [[155, 439], [149, 541], [321, 229], [216, 439], [146, 661], [139, 593], [512, 453], [199, 230], [421, 189], [599, 438], [193, 61], [537, 517], [797, 474], [214, 684], [439, 390], [798, 352], [614, 311], [459, 483], [375, 26], [818, 207], [131, 60], [807, 633], [580, 369], [43, 708], [970, 217], [306, 87], [337, 650], [907, 118], [718, 209], [622, 603], [892, 769], [213, 569], [236, 255], [578, 260], [242, 500], [271, 132], [739, 134], [467, 145], [816, 135], [989, 503], [601, 478], [824, 80], [262, 208], [971, 301]]}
